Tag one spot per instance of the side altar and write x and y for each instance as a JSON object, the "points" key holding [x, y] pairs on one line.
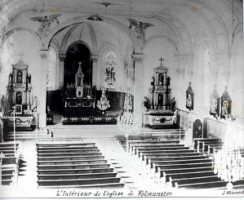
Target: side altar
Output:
{"points": [[19, 104], [159, 106]]}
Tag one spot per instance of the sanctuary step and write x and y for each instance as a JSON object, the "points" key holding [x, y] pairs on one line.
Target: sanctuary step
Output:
{"points": [[75, 165], [26, 135]]}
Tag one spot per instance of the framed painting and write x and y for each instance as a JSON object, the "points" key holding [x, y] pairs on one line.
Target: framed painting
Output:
{"points": [[189, 98], [225, 105]]}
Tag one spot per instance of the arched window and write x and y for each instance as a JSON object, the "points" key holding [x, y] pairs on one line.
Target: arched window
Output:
{"points": [[111, 61]]}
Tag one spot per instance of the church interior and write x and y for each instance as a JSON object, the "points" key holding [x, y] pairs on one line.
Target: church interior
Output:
{"points": [[122, 94]]}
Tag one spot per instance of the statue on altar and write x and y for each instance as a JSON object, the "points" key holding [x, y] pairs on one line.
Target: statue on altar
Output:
{"points": [[79, 82]]}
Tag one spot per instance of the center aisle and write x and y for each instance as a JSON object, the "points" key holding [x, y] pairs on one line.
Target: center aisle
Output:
{"points": [[124, 164]]}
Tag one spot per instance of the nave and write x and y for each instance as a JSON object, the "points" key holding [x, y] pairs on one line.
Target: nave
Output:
{"points": [[89, 158]]}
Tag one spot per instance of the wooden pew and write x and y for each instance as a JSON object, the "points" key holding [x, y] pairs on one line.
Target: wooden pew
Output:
{"points": [[78, 157], [83, 152], [74, 165], [75, 171], [199, 140], [63, 162], [76, 176]]}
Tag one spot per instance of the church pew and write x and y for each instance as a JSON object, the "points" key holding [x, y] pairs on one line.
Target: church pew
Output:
{"points": [[195, 180], [197, 141], [9, 160], [178, 154], [181, 166], [85, 152], [61, 144], [67, 150], [7, 181], [175, 162], [169, 152], [73, 166], [97, 186], [173, 157], [161, 171], [84, 181], [203, 185], [78, 157], [63, 162], [65, 146], [75, 171], [76, 176], [158, 147], [175, 176], [214, 142]]}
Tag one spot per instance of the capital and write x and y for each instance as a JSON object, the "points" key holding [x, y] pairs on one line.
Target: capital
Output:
{"points": [[62, 56], [137, 57], [94, 58], [44, 54]]}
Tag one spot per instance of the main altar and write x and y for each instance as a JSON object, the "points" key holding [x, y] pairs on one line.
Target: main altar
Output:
{"points": [[159, 106]]}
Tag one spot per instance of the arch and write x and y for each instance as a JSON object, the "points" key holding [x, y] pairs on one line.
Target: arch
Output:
{"points": [[178, 33], [73, 28], [77, 20], [169, 39], [14, 30], [79, 42]]}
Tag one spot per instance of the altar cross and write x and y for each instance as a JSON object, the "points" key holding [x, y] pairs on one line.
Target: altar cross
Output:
{"points": [[161, 60]]}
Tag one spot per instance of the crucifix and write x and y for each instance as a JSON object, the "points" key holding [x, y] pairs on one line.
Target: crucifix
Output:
{"points": [[80, 63], [161, 61]]}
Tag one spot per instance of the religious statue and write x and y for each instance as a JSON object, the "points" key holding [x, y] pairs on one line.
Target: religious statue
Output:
{"points": [[18, 97], [173, 104], [95, 18], [19, 76], [189, 100], [225, 106], [146, 104], [139, 28], [46, 21], [189, 97]]}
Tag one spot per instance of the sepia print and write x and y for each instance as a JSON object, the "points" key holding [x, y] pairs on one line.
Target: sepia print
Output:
{"points": [[121, 99]]}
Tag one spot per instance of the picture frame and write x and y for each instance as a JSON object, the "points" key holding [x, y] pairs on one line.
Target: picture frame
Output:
{"points": [[189, 98], [18, 109], [225, 105]]}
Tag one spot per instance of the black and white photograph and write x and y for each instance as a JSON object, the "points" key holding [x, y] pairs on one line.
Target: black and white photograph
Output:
{"points": [[121, 99]]}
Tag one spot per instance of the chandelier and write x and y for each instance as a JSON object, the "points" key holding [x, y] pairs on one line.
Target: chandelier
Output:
{"points": [[228, 162], [103, 103]]}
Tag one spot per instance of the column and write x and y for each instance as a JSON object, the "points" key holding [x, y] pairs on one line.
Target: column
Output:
{"points": [[95, 74], [62, 57], [41, 98], [138, 86]]}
